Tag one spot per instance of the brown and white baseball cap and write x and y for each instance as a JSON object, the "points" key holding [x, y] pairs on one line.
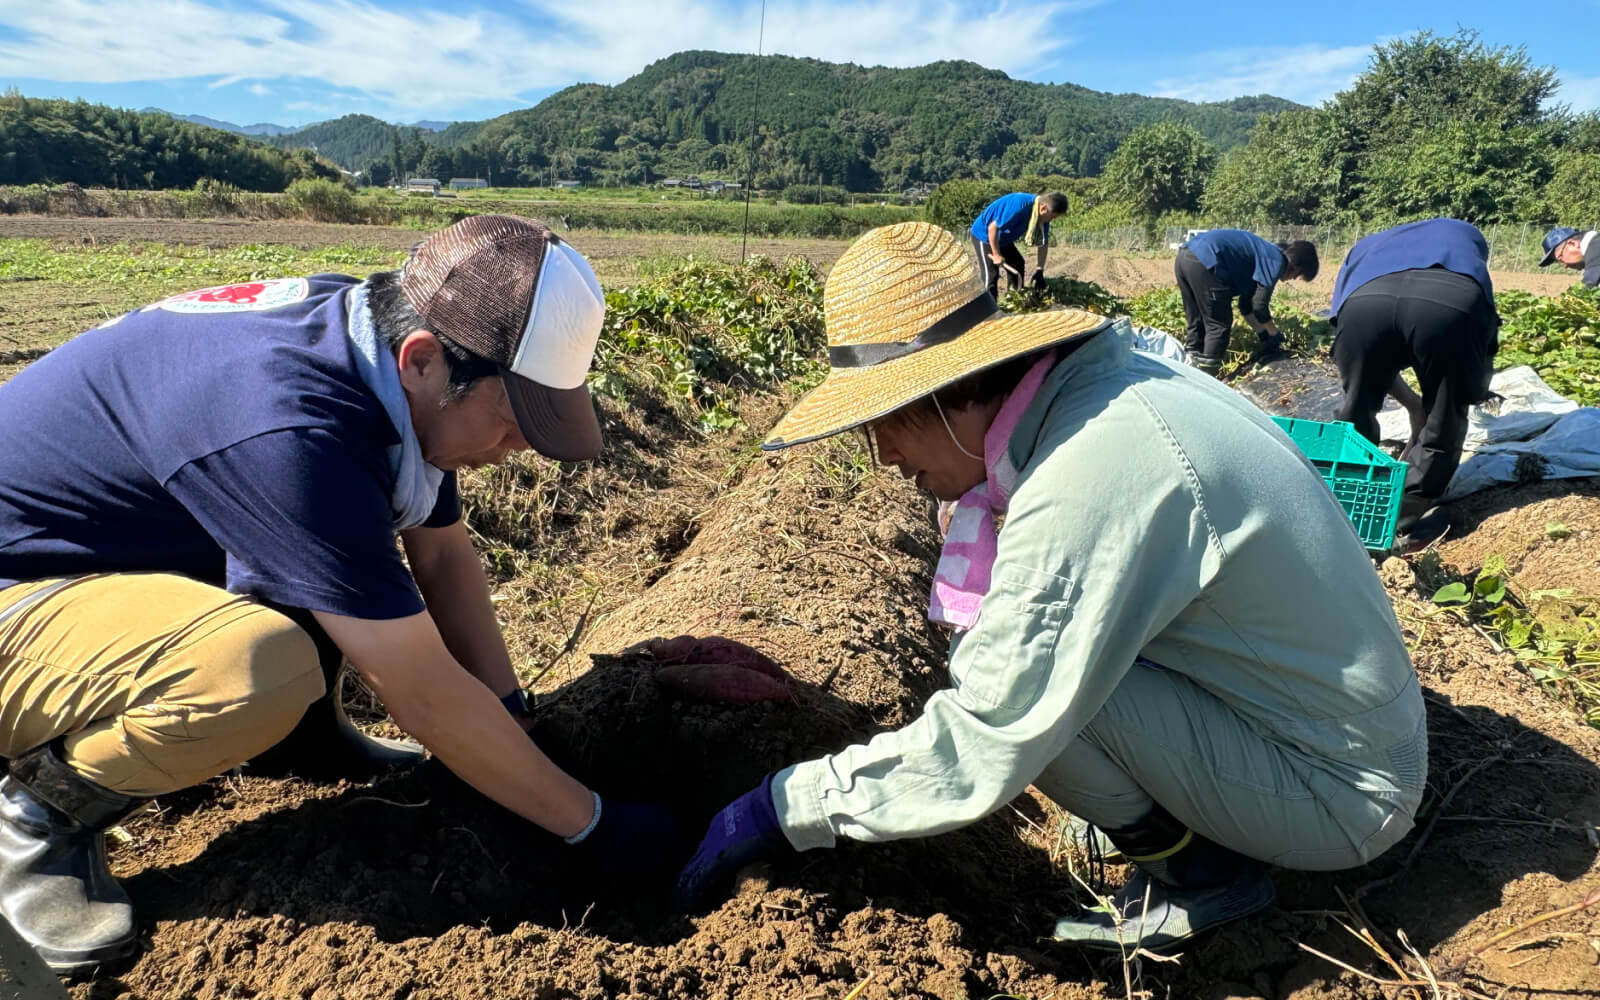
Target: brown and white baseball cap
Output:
{"points": [[512, 292]]}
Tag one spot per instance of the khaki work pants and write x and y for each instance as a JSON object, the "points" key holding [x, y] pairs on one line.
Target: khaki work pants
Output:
{"points": [[156, 681]]}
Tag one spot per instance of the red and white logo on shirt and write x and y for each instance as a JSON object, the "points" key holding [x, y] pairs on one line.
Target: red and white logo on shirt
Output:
{"points": [[248, 296]]}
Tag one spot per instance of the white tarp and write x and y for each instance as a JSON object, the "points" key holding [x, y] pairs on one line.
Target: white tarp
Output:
{"points": [[1567, 449], [1531, 433], [1528, 407]]}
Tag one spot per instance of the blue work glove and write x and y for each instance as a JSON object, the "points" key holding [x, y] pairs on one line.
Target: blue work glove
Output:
{"points": [[636, 839], [744, 832]]}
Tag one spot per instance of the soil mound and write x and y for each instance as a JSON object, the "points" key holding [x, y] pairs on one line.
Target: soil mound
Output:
{"points": [[415, 888]]}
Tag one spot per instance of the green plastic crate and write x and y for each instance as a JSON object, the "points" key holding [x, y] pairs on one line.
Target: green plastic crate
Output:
{"points": [[1367, 483]]}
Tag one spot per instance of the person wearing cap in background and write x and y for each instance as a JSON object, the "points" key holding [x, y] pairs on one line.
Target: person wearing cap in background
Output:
{"points": [[199, 504], [1176, 634], [1219, 265], [1004, 221], [1417, 296], [1574, 249]]}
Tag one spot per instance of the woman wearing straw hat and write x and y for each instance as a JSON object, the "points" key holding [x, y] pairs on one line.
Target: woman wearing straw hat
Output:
{"points": [[1176, 635]]}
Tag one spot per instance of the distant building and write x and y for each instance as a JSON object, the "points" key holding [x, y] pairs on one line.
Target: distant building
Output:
{"points": [[693, 183], [423, 185], [716, 187], [672, 182], [568, 184], [463, 183]]}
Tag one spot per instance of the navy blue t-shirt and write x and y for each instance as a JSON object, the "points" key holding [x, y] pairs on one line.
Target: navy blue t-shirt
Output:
{"points": [[223, 434], [1448, 243], [1240, 260]]}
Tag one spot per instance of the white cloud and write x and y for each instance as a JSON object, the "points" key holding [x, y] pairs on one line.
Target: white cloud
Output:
{"points": [[259, 89], [429, 60], [1581, 92], [1309, 74]]}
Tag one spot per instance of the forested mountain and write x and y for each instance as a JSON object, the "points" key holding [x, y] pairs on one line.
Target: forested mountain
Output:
{"points": [[53, 141], [355, 141], [860, 128], [857, 127]]}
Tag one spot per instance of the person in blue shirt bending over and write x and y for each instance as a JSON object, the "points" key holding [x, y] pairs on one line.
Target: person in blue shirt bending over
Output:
{"points": [[1417, 296], [1217, 266], [199, 509], [1007, 219]]}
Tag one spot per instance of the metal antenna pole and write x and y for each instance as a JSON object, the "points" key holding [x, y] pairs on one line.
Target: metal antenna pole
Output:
{"points": [[755, 114]]}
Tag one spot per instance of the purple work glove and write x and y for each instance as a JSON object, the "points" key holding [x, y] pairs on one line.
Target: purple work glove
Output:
{"points": [[635, 839], [744, 832]]}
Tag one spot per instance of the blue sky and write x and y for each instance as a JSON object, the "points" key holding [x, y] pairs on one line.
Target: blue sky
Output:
{"points": [[299, 61]]}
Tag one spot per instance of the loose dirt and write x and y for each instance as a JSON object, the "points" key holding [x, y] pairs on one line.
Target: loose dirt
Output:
{"points": [[415, 887]]}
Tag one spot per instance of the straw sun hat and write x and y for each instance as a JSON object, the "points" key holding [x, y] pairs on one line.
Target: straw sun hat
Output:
{"points": [[908, 312]]}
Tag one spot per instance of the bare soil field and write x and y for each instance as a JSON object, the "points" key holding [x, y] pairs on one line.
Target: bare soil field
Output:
{"points": [[415, 888]]}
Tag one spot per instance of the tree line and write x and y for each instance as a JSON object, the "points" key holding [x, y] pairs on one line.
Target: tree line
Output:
{"points": [[1435, 126], [55, 141]]}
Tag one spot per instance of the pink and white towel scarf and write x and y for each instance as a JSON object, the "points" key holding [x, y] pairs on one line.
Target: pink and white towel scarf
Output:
{"points": [[971, 540]]}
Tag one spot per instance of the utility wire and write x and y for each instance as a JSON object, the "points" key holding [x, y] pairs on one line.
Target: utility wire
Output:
{"points": [[755, 116]]}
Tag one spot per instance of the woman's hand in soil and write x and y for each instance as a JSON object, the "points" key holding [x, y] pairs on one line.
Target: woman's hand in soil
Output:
{"points": [[744, 832]]}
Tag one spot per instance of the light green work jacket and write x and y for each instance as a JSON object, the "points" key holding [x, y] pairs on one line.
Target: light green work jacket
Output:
{"points": [[1157, 514]]}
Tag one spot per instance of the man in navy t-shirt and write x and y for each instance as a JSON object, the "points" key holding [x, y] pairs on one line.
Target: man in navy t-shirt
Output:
{"points": [[199, 506], [1004, 221], [1417, 296], [1219, 265]]}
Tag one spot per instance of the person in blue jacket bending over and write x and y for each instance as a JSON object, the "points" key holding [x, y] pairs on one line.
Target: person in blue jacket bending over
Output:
{"points": [[1417, 296], [1220, 265], [1007, 219]]}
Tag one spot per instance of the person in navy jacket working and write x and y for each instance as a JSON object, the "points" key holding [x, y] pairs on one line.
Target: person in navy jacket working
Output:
{"points": [[1417, 296], [1004, 221], [1217, 266]]}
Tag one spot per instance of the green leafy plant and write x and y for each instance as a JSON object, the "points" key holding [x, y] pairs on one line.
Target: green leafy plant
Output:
{"points": [[1063, 291], [1559, 337], [1554, 634], [701, 330]]}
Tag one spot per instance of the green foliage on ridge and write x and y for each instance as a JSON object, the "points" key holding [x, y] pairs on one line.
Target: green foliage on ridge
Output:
{"points": [[859, 128], [54, 141]]}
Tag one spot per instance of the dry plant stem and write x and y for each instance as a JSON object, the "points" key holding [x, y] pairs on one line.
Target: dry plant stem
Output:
{"points": [[859, 987], [1438, 811], [1590, 900], [388, 802], [572, 640]]}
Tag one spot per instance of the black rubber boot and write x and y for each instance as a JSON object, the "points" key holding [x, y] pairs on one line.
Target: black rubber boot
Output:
{"points": [[1185, 884], [326, 745], [1211, 366], [55, 889]]}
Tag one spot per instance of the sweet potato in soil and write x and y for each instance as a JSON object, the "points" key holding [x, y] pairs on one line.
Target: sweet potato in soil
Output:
{"points": [[713, 649], [724, 683], [417, 889]]}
